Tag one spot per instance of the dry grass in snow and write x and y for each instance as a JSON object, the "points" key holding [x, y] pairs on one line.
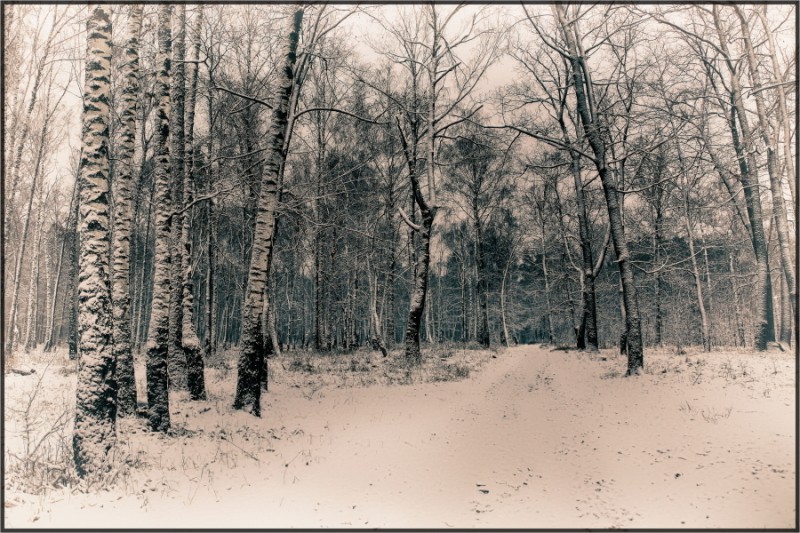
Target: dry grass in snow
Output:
{"points": [[525, 437]]}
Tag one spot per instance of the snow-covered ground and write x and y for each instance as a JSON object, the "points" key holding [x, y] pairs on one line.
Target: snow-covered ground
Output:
{"points": [[530, 438]]}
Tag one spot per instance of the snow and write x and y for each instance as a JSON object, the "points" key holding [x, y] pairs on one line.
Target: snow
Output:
{"points": [[532, 438]]}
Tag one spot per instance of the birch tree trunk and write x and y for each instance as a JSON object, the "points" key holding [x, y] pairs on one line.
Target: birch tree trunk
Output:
{"points": [[33, 282], [122, 186], [43, 59], [11, 332], [391, 274], [420, 288], [44, 317], [698, 282], [158, 331], [710, 292], [176, 361], [210, 340], [505, 340], [420, 250], [588, 115], [96, 393], [192, 353], [72, 220], [251, 356], [377, 336]]}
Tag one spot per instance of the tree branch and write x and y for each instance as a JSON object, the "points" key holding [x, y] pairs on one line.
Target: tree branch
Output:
{"points": [[407, 220], [349, 114], [240, 95], [198, 200], [602, 257]]}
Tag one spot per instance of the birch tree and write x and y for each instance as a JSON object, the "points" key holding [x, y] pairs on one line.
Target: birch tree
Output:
{"points": [[176, 361], [96, 396], [158, 333], [192, 351], [251, 357], [125, 168]]}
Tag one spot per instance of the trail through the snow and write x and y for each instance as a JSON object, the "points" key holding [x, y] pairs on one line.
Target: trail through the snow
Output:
{"points": [[539, 438]]}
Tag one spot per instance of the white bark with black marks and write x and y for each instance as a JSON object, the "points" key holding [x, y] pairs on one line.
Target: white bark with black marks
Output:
{"points": [[192, 351], [176, 360], [251, 357], [94, 435], [158, 333], [123, 182]]}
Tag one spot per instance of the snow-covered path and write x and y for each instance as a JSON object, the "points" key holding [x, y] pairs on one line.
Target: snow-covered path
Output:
{"points": [[539, 438]]}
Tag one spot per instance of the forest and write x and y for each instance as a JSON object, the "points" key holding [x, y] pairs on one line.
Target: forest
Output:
{"points": [[203, 200]]}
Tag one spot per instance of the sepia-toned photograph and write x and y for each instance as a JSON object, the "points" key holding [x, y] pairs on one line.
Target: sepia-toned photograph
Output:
{"points": [[440, 265]]}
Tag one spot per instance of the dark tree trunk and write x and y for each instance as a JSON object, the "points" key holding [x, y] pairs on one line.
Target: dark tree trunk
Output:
{"points": [[749, 178], [588, 324], [419, 247], [583, 92], [481, 287], [740, 336], [659, 221], [779, 217], [66, 242]]}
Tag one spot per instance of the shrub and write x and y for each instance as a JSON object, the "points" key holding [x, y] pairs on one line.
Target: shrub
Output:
{"points": [[357, 365], [301, 365], [45, 458], [452, 372]]}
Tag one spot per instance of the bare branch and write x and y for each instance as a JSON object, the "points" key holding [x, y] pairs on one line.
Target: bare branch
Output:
{"points": [[404, 216], [246, 97]]}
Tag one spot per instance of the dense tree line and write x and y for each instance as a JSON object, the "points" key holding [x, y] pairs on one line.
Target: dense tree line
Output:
{"points": [[258, 178]]}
